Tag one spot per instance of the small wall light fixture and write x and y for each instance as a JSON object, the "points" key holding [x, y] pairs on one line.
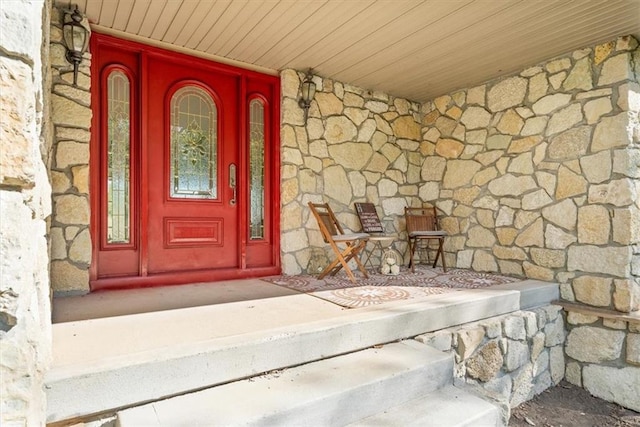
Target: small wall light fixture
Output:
{"points": [[308, 89], [76, 38]]}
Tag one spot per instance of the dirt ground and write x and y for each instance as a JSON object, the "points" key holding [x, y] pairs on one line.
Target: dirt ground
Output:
{"points": [[569, 406]]}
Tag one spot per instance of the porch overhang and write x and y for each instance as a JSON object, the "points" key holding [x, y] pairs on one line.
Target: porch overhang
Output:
{"points": [[412, 49]]}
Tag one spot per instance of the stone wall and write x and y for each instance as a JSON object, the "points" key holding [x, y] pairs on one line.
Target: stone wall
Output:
{"points": [[71, 116], [357, 146], [511, 358], [537, 174], [25, 205], [603, 356]]}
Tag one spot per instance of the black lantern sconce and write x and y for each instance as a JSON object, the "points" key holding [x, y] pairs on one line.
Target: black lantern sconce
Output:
{"points": [[76, 38], [308, 89]]}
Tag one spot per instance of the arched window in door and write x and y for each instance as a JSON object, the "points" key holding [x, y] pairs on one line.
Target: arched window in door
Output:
{"points": [[194, 144]]}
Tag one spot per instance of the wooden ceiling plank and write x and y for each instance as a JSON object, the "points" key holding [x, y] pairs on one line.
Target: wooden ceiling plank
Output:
{"points": [[375, 43], [444, 27], [524, 47], [92, 9], [151, 18], [248, 27], [197, 20], [449, 81], [519, 52], [361, 26], [407, 26], [325, 20], [295, 14], [123, 13], [200, 35], [165, 19], [342, 26], [184, 18], [271, 27], [470, 38], [224, 27], [137, 16], [302, 36], [108, 12]]}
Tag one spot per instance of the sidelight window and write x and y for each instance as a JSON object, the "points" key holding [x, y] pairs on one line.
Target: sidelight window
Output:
{"points": [[118, 158], [256, 169]]}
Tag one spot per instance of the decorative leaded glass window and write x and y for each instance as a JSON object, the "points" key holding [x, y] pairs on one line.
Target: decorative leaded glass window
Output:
{"points": [[256, 169], [194, 144], [118, 155]]}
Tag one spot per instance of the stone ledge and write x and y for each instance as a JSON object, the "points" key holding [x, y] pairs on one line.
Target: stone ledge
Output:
{"points": [[600, 312]]}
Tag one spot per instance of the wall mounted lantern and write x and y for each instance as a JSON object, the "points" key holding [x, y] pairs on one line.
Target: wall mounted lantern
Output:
{"points": [[308, 89], [76, 38]]}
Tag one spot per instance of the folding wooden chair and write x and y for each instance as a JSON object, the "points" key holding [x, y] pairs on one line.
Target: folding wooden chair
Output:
{"points": [[333, 234], [422, 227], [371, 225]]}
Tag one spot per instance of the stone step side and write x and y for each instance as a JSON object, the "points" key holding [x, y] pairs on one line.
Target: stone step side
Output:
{"points": [[447, 407], [334, 391]]}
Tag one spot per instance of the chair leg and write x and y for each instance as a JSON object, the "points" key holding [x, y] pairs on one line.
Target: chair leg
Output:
{"points": [[342, 258], [440, 254], [412, 248], [361, 267], [435, 261], [352, 253], [366, 254]]}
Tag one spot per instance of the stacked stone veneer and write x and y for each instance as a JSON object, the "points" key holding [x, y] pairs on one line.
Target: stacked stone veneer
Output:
{"points": [[537, 174], [512, 357], [71, 116], [603, 356], [357, 146], [25, 205]]}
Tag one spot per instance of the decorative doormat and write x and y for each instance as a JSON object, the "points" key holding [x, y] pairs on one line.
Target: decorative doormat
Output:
{"points": [[380, 288]]}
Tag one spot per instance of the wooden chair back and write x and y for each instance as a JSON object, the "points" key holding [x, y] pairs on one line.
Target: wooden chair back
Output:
{"points": [[327, 221], [421, 219]]}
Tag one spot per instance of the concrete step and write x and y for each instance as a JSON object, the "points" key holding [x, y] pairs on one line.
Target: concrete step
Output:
{"points": [[446, 407], [333, 391], [102, 365]]}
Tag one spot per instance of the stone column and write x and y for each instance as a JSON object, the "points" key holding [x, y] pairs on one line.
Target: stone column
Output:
{"points": [[25, 205], [71, 116]]}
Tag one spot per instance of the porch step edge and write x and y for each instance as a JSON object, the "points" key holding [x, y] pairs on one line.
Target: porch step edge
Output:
{"points": [[80, 390], [447, 407], [333, 391]]}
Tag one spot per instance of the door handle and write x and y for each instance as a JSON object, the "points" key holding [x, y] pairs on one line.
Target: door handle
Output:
{"points": [[232, 183]]}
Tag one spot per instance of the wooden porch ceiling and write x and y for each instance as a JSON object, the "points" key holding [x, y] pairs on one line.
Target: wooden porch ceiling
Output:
{"points": [[415, 49]]}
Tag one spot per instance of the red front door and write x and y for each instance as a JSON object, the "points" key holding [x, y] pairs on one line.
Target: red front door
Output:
{"points": [[192, 148], [184, 168]]}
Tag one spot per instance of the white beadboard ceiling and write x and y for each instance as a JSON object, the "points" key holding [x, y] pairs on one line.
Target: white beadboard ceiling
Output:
{"points": [[415, 49]]}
